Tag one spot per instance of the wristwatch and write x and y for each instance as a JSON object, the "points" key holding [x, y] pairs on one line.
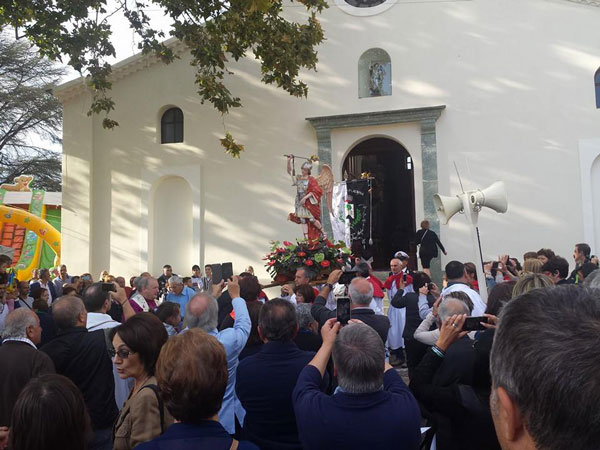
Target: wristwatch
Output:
{"points": [[330, 286]]}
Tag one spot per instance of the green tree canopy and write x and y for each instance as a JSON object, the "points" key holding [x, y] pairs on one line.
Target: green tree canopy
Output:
{"points": [[215, 31], [28, 111]]}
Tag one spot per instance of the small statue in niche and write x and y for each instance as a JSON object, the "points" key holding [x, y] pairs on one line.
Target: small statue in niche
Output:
{"points": [[376, 75]]}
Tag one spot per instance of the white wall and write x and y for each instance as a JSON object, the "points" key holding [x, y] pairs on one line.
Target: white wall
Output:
{"points": [[170, 231], [517, 79]]}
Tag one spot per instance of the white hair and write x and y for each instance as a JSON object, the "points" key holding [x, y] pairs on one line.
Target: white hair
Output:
{"points": [[175, 280], [16, 323]]}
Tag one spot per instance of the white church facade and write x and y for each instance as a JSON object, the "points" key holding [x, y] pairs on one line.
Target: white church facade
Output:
{"points": [[503, 89]]}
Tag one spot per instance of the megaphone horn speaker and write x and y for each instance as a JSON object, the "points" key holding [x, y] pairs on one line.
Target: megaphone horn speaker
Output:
{"points": [[493, 197], [446, 207]]}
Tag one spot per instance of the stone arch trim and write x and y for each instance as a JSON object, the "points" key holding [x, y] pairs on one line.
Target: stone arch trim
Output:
{"points": [[426, 117]]}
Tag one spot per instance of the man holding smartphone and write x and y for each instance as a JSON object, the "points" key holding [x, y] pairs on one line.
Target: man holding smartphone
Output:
{"points": [[360, 292], [372, 408]]}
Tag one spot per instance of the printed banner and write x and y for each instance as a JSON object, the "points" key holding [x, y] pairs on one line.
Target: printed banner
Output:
{"points": [[358, 212], [339, 225]]}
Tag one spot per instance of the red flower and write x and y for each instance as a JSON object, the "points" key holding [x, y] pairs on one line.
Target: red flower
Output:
{"points": [[330, 245], [271, 263], [280, 250], [301, 254], [325, 263], [309, 262], [287, 244]]}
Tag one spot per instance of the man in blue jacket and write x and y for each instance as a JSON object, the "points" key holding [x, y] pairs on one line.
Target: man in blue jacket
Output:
{"points": [[372, 408], [265, 381]]}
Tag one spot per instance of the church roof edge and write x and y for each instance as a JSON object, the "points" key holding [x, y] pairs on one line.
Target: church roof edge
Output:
{"points": [[120, 69]]}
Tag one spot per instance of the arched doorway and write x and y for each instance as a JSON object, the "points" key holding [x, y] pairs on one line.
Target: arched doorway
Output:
{"points": [[391, 166]]}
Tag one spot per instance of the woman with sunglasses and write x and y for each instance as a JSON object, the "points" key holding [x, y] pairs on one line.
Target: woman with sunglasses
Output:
{"points": [[137, 344]]}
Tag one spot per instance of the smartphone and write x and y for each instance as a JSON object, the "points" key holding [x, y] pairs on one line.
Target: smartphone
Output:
{"points": [[473, 323], [347, 277], [217, 273], [227, 271], [108, 287], [343, 310]]}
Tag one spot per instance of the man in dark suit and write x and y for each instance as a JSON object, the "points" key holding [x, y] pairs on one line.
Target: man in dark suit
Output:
{"points": [[360, 292], [457, 367], [265, 381], [83, 357], [307, 337], [44, 283], [372, 407], [21, 360]]}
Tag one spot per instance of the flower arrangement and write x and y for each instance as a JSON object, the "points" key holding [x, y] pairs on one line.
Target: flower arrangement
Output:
{"points": [[320, 256]]}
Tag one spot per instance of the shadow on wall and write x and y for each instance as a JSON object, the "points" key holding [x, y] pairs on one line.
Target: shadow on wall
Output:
{"points": [[260, 181]]}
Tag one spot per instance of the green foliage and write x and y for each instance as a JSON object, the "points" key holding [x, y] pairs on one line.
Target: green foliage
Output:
{"points": [[319, 256], [215, 31], [27, 108], [231, 147]]}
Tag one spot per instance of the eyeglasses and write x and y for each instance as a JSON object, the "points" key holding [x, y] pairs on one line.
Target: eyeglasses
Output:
{"points": [[123, 353]]}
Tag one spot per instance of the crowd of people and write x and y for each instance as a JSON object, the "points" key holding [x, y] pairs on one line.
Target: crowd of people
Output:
{"points": [[194, 363]]}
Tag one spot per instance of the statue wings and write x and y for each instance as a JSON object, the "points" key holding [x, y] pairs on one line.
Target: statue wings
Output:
{"points": [[325, 180]]}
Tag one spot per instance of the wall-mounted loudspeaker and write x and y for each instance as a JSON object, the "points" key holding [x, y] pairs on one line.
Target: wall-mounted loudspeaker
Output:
{"points": [[493, 197], [446, 207]]}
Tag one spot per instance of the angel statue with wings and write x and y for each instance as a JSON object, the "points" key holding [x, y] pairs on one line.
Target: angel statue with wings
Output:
{"points": [[309, 191]]}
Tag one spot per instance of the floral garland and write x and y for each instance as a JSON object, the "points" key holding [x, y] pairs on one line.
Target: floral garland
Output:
{"points": [[320, 256]]}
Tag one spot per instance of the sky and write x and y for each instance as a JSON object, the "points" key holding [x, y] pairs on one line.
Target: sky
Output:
{"points": [[123, 38], [125, 43]]}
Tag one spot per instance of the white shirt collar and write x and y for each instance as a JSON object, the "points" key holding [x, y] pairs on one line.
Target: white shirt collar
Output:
{"points": [[96, 319], [20, 339]]}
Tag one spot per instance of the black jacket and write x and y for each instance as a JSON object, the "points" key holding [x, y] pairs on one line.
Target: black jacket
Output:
{"points": [[461, 414], [458, 364], [308, 341], [20, 363], [82, 357], [411, 303], [429, 242], [381, 324]]}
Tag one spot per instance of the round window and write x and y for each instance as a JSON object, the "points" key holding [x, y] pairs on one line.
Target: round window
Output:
{"points": [[364, 7]]}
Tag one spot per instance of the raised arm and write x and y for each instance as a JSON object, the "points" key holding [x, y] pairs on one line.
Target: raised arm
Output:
{"points": [[422, 333], [328, 333], [120, 296], [242, 324], [399, 300]]}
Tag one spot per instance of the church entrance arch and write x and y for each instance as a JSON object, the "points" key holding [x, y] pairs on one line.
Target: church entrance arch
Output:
{"points": [[392, 168]]}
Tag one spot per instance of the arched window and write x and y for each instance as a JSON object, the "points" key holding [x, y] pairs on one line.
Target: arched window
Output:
{"points": [[597, 82], [374, 73], [171, 126]]}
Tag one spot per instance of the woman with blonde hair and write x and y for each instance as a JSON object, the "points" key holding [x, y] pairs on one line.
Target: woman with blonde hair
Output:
{"points": [[530, 281], [428, 242], [532, 266]]}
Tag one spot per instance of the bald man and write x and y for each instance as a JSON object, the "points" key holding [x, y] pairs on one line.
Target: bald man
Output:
{"points": [[82, 356], [360, 292]]}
